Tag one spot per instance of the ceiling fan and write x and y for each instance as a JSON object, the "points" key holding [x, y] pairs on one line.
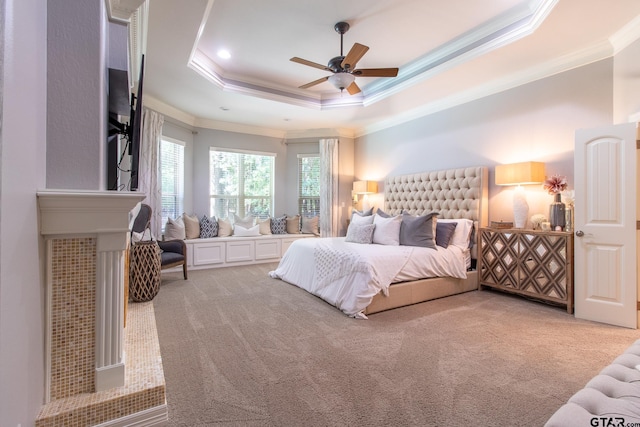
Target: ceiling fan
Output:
{"points": [[344, 67]]}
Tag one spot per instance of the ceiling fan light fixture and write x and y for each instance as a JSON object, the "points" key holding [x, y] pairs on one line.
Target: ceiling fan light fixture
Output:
{"points": [[341, 80]]}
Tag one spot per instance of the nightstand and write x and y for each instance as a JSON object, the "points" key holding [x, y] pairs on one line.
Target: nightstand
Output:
{"points": [[536, 264]]}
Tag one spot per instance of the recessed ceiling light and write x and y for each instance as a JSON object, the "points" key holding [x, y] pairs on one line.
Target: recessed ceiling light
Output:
{"points": [[224, 54]]}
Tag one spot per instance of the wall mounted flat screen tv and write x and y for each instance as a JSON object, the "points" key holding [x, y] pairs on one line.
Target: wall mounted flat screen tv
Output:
{"points": [[124, 139]]}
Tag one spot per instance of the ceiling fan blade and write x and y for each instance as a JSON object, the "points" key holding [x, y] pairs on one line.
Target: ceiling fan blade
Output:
{"points": [[310, 64], [376, 72], [315, 82], [357, 51], [353, 88]]}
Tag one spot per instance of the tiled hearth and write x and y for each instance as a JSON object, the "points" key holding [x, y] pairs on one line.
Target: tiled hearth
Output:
{"points": [[142, 396], [98, 373]]}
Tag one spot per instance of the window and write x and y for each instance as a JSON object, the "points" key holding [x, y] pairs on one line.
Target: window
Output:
{"points": [[171, 178], [241, 183], [309, 184]]}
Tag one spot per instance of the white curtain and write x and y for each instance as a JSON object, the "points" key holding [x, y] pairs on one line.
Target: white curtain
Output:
{"points": [[148, 170], [329, 178]]}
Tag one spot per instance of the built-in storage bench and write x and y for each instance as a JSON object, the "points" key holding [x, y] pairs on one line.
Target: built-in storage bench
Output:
{"points": [[229, 251]]}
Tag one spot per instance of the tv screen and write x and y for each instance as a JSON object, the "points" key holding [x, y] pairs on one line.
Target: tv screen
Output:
{"points": [[124, 139], [136, 132]]}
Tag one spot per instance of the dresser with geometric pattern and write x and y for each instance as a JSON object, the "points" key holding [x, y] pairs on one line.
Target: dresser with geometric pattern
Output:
{"points": [[536, 264]]}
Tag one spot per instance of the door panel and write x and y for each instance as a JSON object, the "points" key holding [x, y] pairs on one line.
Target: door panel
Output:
{"points": [[605, 224]]}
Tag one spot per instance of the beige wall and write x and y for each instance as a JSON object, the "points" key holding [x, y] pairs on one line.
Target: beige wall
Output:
{"points": [[536, 121]]}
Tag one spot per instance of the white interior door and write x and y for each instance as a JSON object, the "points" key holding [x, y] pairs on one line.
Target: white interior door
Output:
{"points": [[605, 225]]}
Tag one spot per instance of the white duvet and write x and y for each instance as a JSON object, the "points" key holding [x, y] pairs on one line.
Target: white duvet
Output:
{"points": [[349, 275]]}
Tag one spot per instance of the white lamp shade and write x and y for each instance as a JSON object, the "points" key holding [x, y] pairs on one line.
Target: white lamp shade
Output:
{"points": [[524, 173], [365, 187]]}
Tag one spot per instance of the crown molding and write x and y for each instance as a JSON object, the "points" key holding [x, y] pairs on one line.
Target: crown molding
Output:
{"points": [[514, 24], [121, 10], [626, 35], [584, 57]]}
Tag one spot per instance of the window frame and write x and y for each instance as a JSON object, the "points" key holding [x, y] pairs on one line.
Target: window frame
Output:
{"points": [[180, 174], [241, 196], [300, 197]]}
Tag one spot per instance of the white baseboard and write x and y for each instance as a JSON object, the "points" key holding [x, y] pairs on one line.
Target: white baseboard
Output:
{"points": [[157, 416]]}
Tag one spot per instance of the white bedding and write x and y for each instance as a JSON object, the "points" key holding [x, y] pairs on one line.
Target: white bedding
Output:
{"points": [[349, 275]]}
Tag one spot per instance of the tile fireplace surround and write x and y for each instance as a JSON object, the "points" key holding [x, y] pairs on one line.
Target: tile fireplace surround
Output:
{"points": [[98, 373]]}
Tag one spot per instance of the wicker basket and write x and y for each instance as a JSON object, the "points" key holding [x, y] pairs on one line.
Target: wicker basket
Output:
{"points": [[144, 271]]}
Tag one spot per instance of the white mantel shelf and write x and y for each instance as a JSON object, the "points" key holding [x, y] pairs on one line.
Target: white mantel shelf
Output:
{"points": [[80, 211]]}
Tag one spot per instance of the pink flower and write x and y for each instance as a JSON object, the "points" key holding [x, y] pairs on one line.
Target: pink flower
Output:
{"points": [[555, 184]]}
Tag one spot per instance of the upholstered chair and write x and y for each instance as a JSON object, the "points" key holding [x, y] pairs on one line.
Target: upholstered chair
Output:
{"points": [[173, 252]]}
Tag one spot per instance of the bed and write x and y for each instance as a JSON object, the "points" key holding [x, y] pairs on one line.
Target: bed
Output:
{"points": [[362, 279]]}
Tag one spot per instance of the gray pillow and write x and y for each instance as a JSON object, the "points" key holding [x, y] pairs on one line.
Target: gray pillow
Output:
{"points": [[360, 233], [382, 214], [418, 230], [444, 233]]}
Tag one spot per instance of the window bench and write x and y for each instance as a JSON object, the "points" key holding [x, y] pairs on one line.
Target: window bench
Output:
{"points": [[230, 251]]}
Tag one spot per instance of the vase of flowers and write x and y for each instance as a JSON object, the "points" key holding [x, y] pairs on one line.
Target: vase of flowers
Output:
{"points": [[557, 210]]}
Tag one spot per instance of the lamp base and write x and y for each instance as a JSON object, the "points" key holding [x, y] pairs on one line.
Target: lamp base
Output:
{"points": [[520, 208]]}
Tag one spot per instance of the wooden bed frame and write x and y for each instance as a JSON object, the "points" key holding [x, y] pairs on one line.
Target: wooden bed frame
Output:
{"points": [[453, 193]]}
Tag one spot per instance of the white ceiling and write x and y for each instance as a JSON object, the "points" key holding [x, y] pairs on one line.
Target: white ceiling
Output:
{"points": [[447, 52]]}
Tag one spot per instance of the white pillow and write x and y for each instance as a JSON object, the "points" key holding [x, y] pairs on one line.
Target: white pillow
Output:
{"points": [[362, 220], [174, 229], [140, 237], [462, 234], [387, 231], [240, 231], [246, 222]]}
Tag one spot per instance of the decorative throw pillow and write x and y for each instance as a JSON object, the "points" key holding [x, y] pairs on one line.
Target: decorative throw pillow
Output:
{"points": [[279, 225], [382, 213], [208, 227], [246, 222], [174, 229], [224, 228], [444, 233], [362, 220], [368, 212], [463, 234], [265, 225], [418, 230], [310, 225], [387, 231], [240, 231], [360, 233], [191, 226], [293, 224]]}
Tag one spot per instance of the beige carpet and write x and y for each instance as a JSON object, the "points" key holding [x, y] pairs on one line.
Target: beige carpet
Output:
{"points": [[242, 349]]}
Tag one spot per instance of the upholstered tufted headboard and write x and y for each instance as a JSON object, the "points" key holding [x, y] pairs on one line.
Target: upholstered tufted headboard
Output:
{"points": [[453, 193]]}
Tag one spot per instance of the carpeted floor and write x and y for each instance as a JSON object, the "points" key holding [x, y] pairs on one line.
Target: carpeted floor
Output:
{"points": [[242, 349]]}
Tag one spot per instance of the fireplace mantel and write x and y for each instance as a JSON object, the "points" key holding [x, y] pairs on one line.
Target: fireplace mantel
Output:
{"points": [[86, 234]]}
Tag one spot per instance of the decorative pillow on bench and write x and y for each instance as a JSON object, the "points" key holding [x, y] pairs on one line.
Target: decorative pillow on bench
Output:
{"points": [[174, 229], [310, 225], [241, 231], [208, 227], [191, 226], [279, 225]]}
